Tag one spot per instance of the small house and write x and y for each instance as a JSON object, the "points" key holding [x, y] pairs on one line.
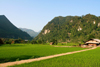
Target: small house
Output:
{"points": [[93, 42], [51, 43]]}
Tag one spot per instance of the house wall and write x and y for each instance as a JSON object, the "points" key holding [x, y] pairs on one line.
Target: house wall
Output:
{"points": [[51, 43], [92, 44]]}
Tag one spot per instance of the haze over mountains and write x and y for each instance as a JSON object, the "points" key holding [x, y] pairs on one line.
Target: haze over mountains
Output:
{"points": [[71, 29], [8, 30], [32, 33]]}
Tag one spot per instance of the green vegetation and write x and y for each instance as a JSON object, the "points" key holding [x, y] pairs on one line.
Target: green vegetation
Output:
{"points": [[15, 52], [89, 58], [67, 44], [15, 41], [38, 42], [1, 42], [8, 30], [54, 41], [76, 29], [61, 31]]}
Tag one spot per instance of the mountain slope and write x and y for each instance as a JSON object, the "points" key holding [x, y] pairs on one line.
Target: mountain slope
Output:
{"points": [[71, 28], [30, 32], [8, 30]]}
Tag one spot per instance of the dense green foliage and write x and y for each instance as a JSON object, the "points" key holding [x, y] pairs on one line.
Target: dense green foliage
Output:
{"points": [[54, 42], [67, 44], [38, 42], [8, 30], [12, 41], [89, 58], [1, 42], [66, 29], [16, 52]]}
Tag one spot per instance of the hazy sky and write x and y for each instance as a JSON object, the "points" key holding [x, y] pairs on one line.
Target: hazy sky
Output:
{"points": [[35, 14]]}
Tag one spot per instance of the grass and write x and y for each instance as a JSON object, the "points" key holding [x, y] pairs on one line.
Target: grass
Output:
{"points": [[89, 58], [16, 52], [67, 44]]}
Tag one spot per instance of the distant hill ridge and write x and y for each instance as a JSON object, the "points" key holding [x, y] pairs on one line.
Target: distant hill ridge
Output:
{"points": [[8, 30], [32, 33], [71, 29]]}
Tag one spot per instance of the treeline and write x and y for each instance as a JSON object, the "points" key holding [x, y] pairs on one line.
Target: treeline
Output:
{"points": [[20, 41], [13, 41]]}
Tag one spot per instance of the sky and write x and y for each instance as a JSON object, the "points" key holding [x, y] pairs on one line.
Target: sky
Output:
{"points": [[35, 14]]}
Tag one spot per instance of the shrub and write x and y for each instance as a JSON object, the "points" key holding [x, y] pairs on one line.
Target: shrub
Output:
{"points": [[1, 42]]}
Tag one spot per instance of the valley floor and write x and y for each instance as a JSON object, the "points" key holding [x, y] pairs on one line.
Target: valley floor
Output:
{"points": [[89, 58], [42, 58]]}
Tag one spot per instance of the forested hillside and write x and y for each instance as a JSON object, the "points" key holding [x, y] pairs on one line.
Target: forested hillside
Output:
{"points": [[8, 30], [30, 32], [71, 29]]}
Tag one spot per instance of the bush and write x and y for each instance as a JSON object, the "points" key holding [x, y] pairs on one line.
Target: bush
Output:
{"points": [[33, 42], [8, 42], [1, 42], [54, 41]]}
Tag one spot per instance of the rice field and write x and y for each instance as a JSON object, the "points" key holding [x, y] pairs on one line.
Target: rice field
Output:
{"points": [[89, 58], [16, 52]]}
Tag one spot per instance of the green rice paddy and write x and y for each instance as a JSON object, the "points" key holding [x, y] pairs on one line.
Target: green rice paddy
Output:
{"points": [[89, 58], [16, 52]]}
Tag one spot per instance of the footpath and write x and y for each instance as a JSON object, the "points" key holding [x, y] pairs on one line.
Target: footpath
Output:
{"points": [[41, 58]]}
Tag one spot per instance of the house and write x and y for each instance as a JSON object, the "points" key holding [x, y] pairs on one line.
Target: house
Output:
{"points": [[91, 43], [51, 43]]}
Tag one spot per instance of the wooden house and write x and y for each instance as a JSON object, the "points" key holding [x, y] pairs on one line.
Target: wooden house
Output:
{"points": [[92, 42], [51, 43]]}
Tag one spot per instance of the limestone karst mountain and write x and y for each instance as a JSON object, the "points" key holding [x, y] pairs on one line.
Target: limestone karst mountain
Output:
{"points": [[71, 28]]}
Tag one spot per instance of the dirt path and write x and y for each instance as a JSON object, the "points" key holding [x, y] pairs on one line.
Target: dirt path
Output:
{"points": [[41, 58]]}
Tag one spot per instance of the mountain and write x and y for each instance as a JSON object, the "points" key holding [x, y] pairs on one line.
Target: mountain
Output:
{"points": [[8, 30], [71, 29], [30, 32]]}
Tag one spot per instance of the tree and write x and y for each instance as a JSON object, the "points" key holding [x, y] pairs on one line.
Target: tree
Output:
{"points": [[91, 36], [33, 42], [18, 40], [39, 41], [54, 41], [1, 42]]}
